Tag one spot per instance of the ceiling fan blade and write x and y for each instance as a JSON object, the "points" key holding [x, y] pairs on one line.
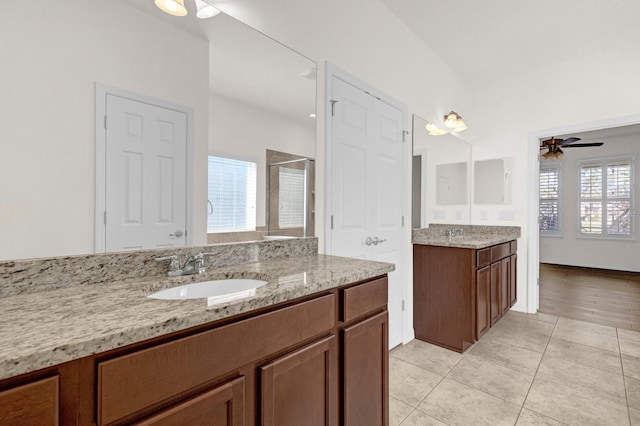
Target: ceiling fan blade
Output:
{"points": [[568, 141], [582, 145]]}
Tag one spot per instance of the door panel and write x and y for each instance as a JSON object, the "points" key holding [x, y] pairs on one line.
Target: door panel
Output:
{"points": [[496, 272], [221, 406], [300, 388], [145, 194], [367, 172], [366, 367]]}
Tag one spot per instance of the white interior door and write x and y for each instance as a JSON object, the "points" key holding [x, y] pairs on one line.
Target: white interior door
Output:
{"points": [[145, 166], [366, 186]]}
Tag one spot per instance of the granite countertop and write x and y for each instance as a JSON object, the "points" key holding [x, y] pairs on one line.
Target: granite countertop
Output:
{"points": [[42, 329], [472, 236]]}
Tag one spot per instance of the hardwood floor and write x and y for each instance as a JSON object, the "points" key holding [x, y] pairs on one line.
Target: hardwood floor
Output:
{"points": [[595, 295]]}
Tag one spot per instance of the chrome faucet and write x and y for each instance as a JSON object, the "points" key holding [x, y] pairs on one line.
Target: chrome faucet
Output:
{"points": [[452, 232], [193, 264]]}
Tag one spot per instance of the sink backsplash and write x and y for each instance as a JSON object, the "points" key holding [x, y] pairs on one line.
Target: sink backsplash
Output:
{"points": [[440, 230], [32, 275]]}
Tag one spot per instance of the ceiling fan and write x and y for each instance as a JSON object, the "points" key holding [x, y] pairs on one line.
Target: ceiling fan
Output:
{"points": [[553, 146]]}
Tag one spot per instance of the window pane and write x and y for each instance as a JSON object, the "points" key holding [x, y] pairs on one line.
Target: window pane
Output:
{"points": [[591, 181], [619, 217], [548, 216], [231, 195], [291, 198], [591, 217], [619, 179]]}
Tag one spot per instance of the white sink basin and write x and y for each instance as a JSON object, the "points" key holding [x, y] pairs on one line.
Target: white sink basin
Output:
{"points": [[218, 288]]}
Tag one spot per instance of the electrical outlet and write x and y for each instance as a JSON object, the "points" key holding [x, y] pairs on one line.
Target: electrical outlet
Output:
{"points": [[484, 215]]}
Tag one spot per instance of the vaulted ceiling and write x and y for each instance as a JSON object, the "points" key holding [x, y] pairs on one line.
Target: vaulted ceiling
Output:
{"points": [[488, 40]]}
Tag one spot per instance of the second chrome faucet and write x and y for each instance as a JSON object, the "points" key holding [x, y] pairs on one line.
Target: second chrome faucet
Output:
{"points": [[193, 264]]}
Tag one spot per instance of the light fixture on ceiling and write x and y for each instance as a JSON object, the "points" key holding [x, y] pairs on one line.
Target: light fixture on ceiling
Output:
{"points": [[205, 10], [454, 122], [172, 7]]}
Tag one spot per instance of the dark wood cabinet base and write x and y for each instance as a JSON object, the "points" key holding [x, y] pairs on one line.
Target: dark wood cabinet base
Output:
{"points": [[459, 293]]}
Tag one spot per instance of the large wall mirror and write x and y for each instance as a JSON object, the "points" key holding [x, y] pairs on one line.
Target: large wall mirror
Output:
{"points": [[441, 178], [246, 93]]}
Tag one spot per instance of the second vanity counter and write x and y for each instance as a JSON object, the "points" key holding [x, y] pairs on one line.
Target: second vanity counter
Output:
{"points": [[46, 328], [467, 236]]}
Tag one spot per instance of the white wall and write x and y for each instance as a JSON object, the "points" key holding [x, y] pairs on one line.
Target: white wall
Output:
{"points": [[567, 249], [572, 94], [53, 53], [244, 132]]}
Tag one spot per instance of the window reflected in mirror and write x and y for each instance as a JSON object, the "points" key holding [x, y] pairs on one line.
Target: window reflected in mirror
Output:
{"points": [[231, 204]]}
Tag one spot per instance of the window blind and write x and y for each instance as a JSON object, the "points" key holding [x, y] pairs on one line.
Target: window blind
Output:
{"points": [[549, 213], [231, 195], [291, 198], [606, 197]]}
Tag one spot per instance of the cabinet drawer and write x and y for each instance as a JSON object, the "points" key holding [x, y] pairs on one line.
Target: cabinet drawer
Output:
{"points": [[31, 404], [514, 246], [500, 251], [133, 382], [483, 257], [363, 298], [223, 405]]}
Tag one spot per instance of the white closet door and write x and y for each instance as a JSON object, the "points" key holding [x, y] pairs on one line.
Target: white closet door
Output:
{"points": [[145, 175], [366, 186]]}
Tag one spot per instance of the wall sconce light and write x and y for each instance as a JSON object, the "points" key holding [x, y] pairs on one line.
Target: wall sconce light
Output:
{"points": [[434, 130], [177, 8], [205, 10], [172, 7], [453, 123]]}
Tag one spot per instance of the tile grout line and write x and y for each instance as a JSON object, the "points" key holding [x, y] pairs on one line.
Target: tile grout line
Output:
{"points": [[536, 373], [624, 380]]}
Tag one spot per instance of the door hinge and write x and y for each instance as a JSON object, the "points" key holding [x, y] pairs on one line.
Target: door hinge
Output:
{"points": [[333, 107], [105, 217], [403, 305], [105, 121], [404, 135], [403, 221], [331, 222]]}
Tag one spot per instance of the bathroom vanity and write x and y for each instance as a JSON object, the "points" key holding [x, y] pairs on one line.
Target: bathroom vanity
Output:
{"points": [[462, 285], [310, 347]]}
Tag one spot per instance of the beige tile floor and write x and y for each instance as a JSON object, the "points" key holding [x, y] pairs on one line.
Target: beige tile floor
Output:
{"points": [[527, 370]]}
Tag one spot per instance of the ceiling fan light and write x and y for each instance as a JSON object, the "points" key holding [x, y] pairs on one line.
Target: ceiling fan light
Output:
{"points": [[205, 10], [172, 7], [434, 130], [451, 119]]}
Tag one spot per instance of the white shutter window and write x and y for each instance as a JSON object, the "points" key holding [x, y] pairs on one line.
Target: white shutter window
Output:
{"points": [[291, 198], [231, 195], [549, 213], [606, 198]]}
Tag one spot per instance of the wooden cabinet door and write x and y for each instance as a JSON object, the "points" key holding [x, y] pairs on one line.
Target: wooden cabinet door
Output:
{"points": [[513, 280], [31, 404], [300, 388], [505, 280], [365, 373], [221, 406], [496, 274], [483, 302]]}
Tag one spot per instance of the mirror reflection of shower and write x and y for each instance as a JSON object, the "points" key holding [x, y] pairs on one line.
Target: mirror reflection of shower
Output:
{"points": [[290, 195]]}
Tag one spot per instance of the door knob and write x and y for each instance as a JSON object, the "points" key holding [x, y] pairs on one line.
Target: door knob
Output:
{"points": [[377, 241], [369, 241], [177, 234]]}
